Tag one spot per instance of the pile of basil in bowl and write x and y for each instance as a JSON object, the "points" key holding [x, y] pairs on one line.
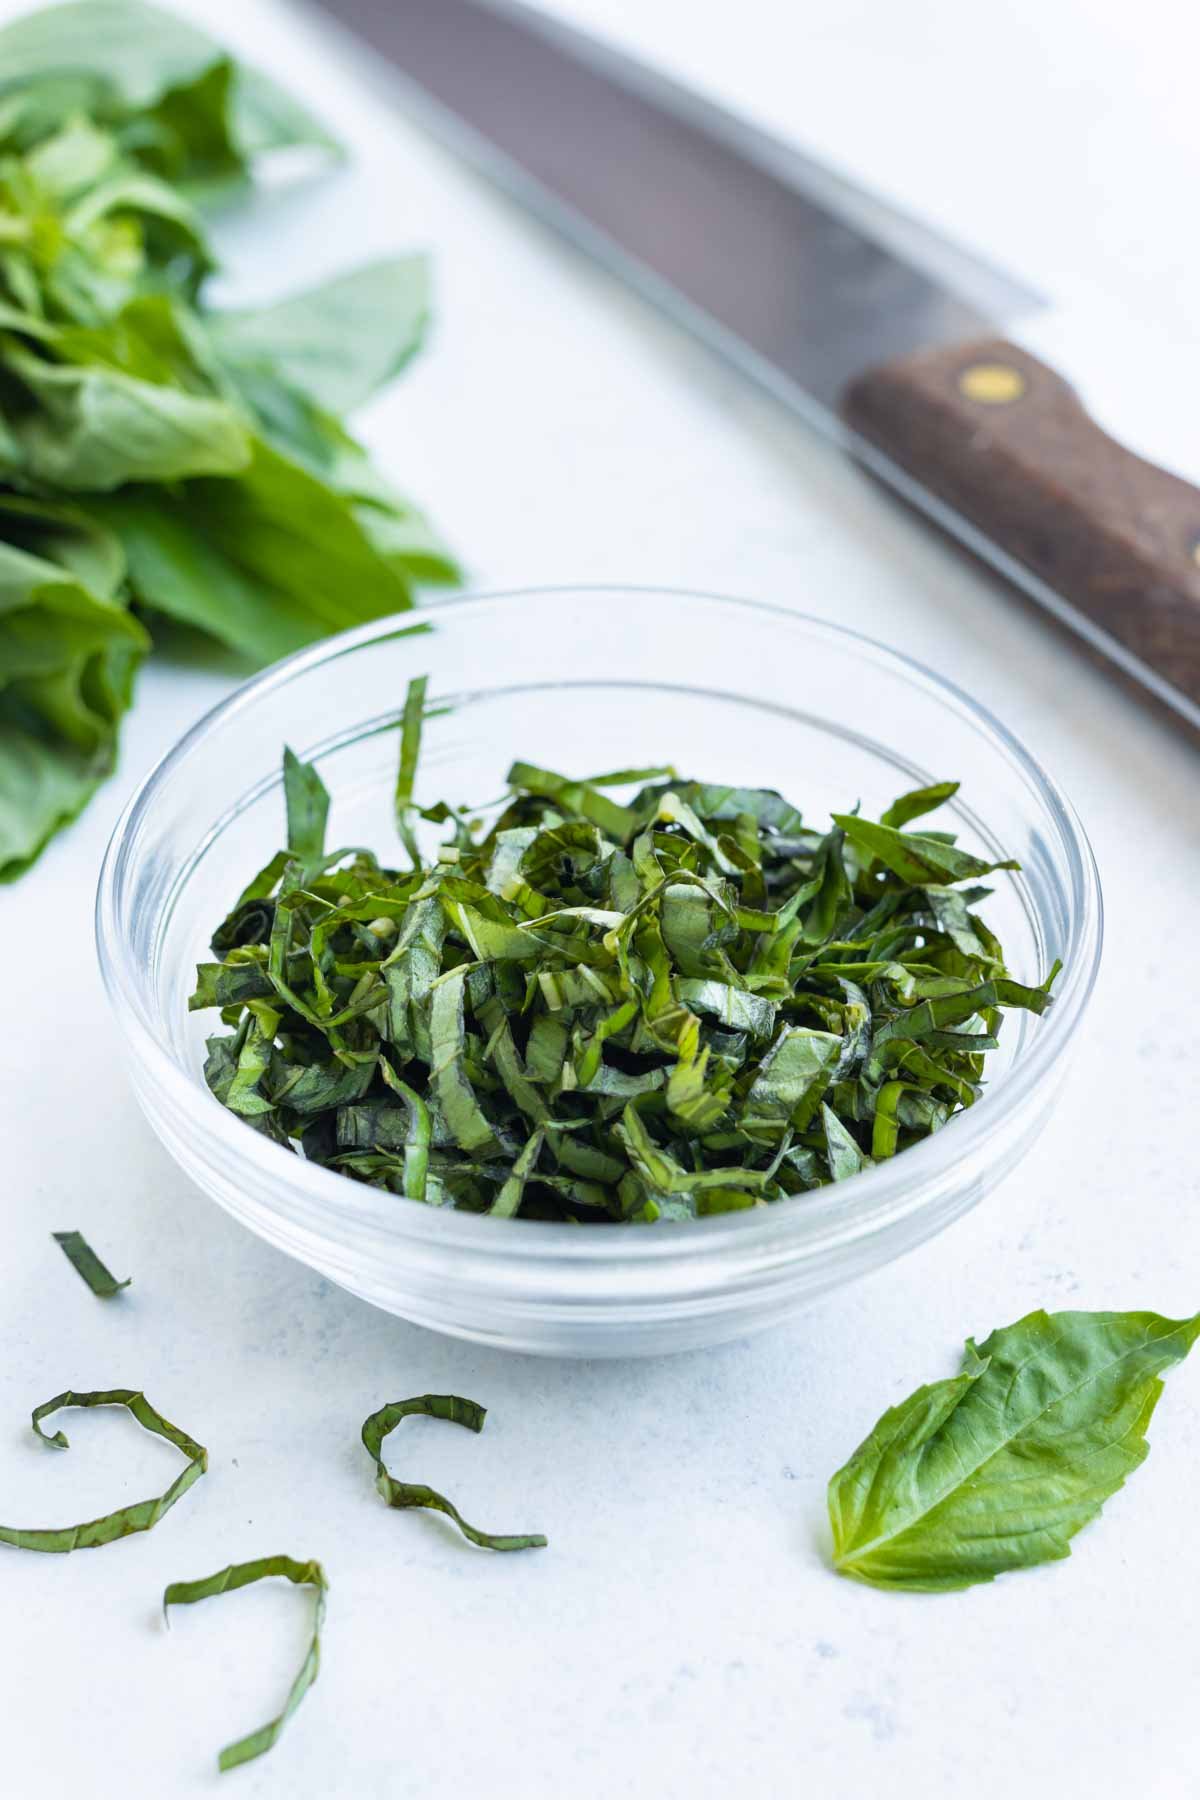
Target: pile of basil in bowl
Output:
{"points": [[605, 971]]}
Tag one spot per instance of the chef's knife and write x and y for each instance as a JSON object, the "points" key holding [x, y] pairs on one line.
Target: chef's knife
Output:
{"points": [[876, 330]]}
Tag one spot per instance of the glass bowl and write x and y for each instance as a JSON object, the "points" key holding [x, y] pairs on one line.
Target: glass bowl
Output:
{"points": [[587, 679]]}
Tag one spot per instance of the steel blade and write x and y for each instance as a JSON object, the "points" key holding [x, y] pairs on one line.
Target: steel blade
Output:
{"points": [[786, 265]]}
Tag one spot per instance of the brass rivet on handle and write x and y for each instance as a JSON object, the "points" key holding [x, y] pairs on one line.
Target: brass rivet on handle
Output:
{"points": [[992, 384]]}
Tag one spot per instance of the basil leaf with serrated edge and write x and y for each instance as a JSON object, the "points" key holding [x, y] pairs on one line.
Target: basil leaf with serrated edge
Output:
{"points": [[410, 1493], [998, 1467], [238, 1575], [126, 1520]]}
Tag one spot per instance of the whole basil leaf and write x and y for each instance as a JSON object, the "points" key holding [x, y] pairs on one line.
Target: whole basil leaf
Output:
{"points": [[68, 656], [210, 482], [87, 228], [46, 540], [265, 561], [999, 1467], [43, 786], [189, 135], [93, 428], [340, 341], [122, 58]]}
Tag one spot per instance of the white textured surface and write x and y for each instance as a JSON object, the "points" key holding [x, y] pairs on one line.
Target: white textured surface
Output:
{"points": [[682, 1634]]}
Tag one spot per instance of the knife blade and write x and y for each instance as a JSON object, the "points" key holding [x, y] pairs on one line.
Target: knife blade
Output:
{"points": [[879, 331]]}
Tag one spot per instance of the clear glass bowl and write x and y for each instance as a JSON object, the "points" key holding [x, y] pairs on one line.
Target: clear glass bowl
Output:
{"points": [[585, 679]]}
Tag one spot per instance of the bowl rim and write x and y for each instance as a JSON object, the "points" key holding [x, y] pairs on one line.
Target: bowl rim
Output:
{"points": [[872, 1202]]}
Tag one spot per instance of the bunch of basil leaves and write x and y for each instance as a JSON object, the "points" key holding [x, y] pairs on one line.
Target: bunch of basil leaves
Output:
{"points": [[159, 461]]}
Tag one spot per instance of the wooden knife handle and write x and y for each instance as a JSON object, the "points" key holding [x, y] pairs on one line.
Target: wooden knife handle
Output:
{"points": [[1006, 442]]}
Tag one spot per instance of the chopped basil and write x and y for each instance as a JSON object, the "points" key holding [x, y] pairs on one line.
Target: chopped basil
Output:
{"points": [[598, 1009]]}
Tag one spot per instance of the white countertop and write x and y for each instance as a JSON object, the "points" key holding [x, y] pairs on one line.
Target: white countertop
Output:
{"points": [[682, 1634]]}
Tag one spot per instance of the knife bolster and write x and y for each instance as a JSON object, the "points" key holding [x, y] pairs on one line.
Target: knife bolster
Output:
{"points": [[1005, 442]]}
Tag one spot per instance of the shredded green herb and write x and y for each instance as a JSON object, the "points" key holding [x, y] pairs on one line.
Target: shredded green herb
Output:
{"points": [[87, 1264], [681, 1003], [411, 1493], [998, 1467], [238, 1575], [127, 1519]]}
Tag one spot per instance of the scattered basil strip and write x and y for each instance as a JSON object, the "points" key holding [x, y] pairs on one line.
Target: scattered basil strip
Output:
{"points": [[999, 1467], [164, 464], [127, 1519], [238, 1575], [410, 1493], [604, 1009], [86, 1263]]}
